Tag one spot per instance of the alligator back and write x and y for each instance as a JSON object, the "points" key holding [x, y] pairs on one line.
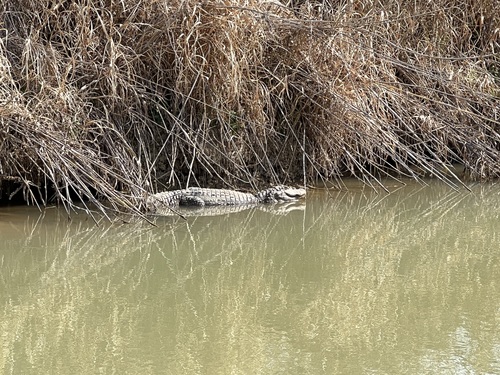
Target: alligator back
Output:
{"points": [[215, 197], [199, 197]]}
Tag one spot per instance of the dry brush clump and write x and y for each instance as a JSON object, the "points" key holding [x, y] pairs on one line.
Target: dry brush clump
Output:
{"points": [[114, 99]]}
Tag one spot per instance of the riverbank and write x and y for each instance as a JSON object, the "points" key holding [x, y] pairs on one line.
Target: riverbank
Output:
{"points": [[112, 102]]}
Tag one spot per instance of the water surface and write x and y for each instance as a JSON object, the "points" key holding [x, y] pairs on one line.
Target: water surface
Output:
{"points": [[356, 282]]}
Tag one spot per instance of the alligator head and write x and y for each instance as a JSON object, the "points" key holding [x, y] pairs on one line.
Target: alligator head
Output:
{"points": [[280, 193]]}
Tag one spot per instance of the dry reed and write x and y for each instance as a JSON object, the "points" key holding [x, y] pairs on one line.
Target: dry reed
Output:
{"points": [[117, 99]]}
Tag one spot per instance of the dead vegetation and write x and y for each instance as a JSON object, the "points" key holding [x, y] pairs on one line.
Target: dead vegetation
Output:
{"points": [[114, 99]]}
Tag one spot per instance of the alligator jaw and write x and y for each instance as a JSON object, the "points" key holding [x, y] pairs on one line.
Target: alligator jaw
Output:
{"points": [[286, 194], [294, 193]]}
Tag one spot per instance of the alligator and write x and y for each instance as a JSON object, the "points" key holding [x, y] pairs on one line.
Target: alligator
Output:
{"points": [[202, 197]]}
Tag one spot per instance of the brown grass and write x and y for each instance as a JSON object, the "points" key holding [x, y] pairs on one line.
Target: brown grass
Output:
{"points": [[114, 99]]}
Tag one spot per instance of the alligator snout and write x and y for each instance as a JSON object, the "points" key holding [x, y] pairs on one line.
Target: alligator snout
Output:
{"points": [[282, 194], [295, 193]]}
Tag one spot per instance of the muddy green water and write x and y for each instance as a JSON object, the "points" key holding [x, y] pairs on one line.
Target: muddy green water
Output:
{"points": [[354, 283]]}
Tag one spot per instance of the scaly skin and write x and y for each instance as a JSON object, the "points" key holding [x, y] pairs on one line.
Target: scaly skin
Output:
{"points": [[199, 197]]}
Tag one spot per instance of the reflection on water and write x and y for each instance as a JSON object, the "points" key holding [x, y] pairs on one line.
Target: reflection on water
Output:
{"points": [[358, 282]]}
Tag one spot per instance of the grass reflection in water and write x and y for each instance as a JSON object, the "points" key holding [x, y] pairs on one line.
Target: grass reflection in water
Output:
{"points": [[358, 282]]}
